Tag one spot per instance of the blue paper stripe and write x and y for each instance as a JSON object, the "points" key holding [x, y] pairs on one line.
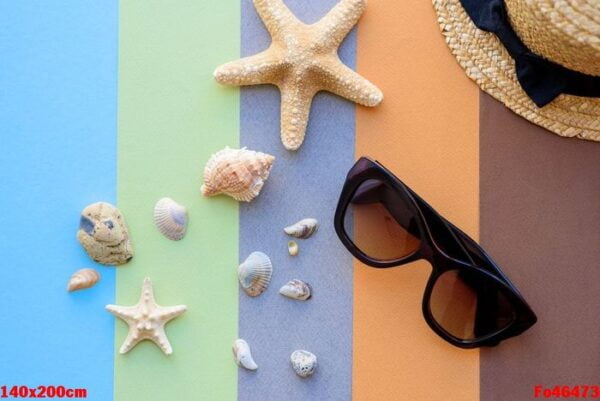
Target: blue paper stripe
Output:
{"points": [[58, 91], [302, 184]]}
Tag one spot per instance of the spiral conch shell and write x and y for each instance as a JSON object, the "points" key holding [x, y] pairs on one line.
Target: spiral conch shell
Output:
{"points": [[242, 355], [84, 278], [296, 289], [170, 218], [304, 363], [255, 273], [302, 229], [239, 173]]}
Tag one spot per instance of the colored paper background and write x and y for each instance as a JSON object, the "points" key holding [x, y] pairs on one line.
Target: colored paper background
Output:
{"points": [[172, 116], [533, 196], [302, 184], [58, 105]]}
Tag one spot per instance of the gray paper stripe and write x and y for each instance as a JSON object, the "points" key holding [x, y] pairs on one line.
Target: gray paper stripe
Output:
{"points": [[302, 184]]}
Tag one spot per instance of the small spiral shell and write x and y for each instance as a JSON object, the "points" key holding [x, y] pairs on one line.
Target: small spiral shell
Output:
{"points": [[296, 289], [242, 355], [302, 229], [84, 278]]}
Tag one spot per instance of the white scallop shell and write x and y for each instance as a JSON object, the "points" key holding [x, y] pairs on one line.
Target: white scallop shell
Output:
{"points": [[304, 363], [255, 273], [84, 278], [242, 355], [170, 218], [293, 248], [239, 173], [303, 229], [296, 289]]}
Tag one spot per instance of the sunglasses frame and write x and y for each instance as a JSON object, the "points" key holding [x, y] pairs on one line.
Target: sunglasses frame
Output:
{"points": [[474, 256]]}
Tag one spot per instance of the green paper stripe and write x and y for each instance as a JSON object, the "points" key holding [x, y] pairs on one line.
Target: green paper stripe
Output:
{"points": [[172, 117]]}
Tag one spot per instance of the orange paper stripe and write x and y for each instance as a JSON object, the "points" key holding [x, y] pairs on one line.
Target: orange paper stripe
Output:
{"points": [[426, 131]]}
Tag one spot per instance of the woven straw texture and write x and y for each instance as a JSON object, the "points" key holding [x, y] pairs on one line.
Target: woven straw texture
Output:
{"points": [[566, 32], [487, 62]]}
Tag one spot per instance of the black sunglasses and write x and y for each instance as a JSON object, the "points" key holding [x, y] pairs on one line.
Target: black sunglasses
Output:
{"points": [[468, 301]]}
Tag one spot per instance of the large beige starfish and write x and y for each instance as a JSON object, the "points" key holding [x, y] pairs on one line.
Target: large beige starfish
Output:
{"points": [[146, 320], [302, 60]]}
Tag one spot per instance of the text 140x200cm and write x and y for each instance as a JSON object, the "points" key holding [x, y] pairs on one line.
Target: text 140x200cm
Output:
{"points": [[42, 392]]}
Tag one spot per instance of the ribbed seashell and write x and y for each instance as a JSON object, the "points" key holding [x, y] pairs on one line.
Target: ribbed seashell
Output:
{"points": [[242, 355], [304, 363], [296, 289], [84, 278], [255, 273], [303, 229], [293, 248], [170, 218], [239, 173]]}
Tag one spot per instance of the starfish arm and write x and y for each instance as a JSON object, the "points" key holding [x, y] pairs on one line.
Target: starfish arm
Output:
{"points": [[167, 313], [276, 16], [126, 313], [132, 339], [334, 26], [295, 108], [262, 68], [345, 82], [160, 338]]}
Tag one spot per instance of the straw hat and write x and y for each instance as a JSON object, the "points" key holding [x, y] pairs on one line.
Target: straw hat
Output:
{"points": [[566, 32]]}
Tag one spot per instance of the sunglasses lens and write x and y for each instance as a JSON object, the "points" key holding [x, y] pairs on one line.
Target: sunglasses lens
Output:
{"points": [[380, 223], [469, 305]]}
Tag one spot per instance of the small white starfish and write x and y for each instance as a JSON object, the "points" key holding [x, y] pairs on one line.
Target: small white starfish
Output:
{"points": [[146, 320], [302, 60]]}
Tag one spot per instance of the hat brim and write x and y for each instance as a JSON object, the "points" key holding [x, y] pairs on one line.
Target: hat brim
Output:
{"points": [[486, 61]]}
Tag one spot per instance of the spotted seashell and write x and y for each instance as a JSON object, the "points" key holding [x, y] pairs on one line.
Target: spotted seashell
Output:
{"points": [[84, 278], [255, 273], [170, 218], [104, 235], [239, 173], [293, 248], [304, 363], [296, 289], [242, 355], [303, 229]]}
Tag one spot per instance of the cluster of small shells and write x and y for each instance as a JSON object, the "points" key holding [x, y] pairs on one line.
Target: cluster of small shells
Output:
{"points": [[254, 275], [303, 229], [303, 362]]}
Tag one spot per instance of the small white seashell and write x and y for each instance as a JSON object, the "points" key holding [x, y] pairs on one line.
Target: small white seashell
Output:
{"points": [[255, 273], [84, 278], [293, 248], [239, 173], [304, 363], [242, 355], [303, 229], [170, 218], [296, 289]]}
